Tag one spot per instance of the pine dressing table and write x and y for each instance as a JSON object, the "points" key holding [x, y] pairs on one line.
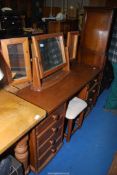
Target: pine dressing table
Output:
{"points": [[17, 118]]}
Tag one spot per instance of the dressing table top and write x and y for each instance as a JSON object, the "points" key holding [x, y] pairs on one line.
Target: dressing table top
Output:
{"points": [[17, 117], [49, 99]]}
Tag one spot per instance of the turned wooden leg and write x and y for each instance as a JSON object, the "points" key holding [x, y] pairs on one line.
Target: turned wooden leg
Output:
{"points": [[21, 153], [70, 123]]}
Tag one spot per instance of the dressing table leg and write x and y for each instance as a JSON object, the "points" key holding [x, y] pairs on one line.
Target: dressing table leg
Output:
{"points": [[21, 153]]}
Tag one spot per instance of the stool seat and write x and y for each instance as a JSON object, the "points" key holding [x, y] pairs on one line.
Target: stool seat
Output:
{"points": [[75, 107]]}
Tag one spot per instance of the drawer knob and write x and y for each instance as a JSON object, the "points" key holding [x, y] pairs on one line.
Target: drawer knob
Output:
{"points": [[95, 80], [52, 141], [94, 91], [54, 130], [55, 117], [90, 99], [53, 150]]}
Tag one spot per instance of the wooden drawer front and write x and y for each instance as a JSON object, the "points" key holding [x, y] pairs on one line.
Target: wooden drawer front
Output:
{"points": [[92, 95], [50, 142], [53, 131], [50, 132], [45, 124], [93, 83], [54, 117], [50, 152], [59, 111], [46, 146]]}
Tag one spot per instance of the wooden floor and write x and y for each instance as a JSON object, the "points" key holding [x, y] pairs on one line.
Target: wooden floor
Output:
{"points": [[113, 168]]}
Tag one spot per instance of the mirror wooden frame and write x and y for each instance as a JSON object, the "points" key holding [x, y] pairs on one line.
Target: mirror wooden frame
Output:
{"points": [[72, 44], [45, 79], [5, 53]]}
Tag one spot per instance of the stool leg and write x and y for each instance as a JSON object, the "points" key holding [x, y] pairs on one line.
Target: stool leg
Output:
{"points": [[70, 123], [80, 119]]}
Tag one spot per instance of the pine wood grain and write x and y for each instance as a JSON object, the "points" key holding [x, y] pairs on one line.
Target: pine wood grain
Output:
{"points": [[17, 117]]}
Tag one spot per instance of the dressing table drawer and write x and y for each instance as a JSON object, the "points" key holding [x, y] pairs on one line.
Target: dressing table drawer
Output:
{"points": [[49, 154], [52, 118], [46, 139]]}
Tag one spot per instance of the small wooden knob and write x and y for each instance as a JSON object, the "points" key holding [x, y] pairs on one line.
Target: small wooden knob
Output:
{"points": [[53, 150], [55, 117], [90, 99], [52, 141], [93, 90], [54, 130], [95, 80]]}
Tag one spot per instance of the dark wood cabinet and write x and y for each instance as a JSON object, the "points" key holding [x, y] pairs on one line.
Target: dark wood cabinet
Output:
{"points": [[112, 3], [95, 37], [62, 26]]}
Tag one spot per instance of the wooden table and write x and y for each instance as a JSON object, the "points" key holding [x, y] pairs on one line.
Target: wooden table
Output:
{"points": [[17, 118]]}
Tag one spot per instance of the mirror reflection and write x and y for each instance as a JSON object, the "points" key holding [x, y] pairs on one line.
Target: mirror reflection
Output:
{"points": [[17, 62], [51, 53]]}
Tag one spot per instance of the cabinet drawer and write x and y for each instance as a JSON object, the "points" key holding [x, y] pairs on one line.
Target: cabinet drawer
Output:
{"points": [[59, 111], [93, 92], [93, 83], [50, 142], [46, 123], [52, 118], [50, 132], [46, 146], [53, 131], [49, 153]]}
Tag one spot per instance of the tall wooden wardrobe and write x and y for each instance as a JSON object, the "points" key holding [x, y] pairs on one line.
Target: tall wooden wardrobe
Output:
{"points": [[95, 38]]}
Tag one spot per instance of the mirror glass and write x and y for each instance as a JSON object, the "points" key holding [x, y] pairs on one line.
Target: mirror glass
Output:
{"points": [[51, 53], [17, 61]]}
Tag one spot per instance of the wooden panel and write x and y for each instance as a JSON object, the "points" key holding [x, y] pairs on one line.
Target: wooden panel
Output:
{"points": [[62, 26], [94, 36], [47, 11], [112, 3], [97, 2]]}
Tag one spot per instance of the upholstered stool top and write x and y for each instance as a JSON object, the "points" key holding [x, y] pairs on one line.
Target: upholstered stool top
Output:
{"points": [[75, 107]]}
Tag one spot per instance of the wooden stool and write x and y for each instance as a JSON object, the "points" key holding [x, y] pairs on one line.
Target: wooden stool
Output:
{"points": [[75, 108]]}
